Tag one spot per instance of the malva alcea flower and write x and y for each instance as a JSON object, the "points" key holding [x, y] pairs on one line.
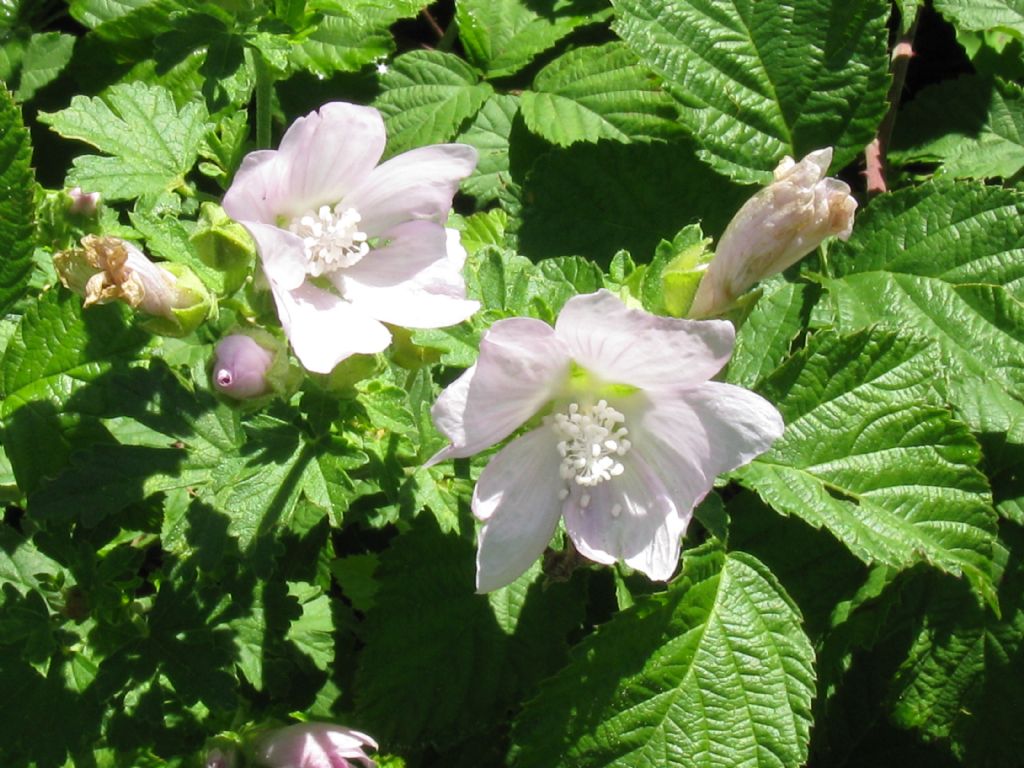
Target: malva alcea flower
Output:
{"points": [[631, 435], [314, 745], [347, 244], [776, 228]]}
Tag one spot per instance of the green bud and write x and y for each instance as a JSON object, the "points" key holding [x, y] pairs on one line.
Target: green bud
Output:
{"points": [[189, 308], [349, 372], [221, 242]]}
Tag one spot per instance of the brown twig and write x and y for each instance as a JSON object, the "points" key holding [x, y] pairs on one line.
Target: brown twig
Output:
{"points": [[438, 29], [875, 152]]}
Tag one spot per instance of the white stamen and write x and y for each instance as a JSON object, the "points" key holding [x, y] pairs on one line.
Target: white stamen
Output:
{"points": [[331, 238], [616, 510], [591, 439]]}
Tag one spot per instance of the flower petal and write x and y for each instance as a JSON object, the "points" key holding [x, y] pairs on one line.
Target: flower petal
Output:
{"points": [[410, 282], [630, 518], [710, 429], [324, 329], [517, 497], [413, 186], [282, 254], [520, 367], [257, 192], [630, 346], [328, 153]]}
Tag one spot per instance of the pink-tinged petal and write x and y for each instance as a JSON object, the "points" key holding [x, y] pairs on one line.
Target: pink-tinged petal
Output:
{"points": [[456, 252], [411, 281], [629, 518], [282, 254], [520, 367], [313, 745], [257, 193], [517, 497], [630, 346], [414, 186], [324, 329], [328, 153], [711, 429]]}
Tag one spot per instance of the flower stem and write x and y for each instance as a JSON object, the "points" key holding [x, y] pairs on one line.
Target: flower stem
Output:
{"points": [[264, 100]]}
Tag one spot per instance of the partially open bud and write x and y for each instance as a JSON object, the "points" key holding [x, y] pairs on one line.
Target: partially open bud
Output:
{"points": [[83, 203], [314, 745], [776, 228], [109, 269], [240, 367]]}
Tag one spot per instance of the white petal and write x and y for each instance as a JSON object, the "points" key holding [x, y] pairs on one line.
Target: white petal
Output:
{"points": [[520, 367], [325, 329], [711, 429], [517, 497], [630, 518], [257, 192], [411, 281], [282, 254], [328, 153], [414, 186], [630, 346]]}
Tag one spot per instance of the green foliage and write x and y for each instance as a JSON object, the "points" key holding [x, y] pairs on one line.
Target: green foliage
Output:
{"points": [[17, 204], [662, 684], [151, 144], [968, 15], [759, 80]]}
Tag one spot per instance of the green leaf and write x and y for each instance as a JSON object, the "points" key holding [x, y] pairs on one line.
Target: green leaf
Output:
{"points": [[92, 13], [759, 80], [45, 56], [476, 654], [489, 132], [977, 15], [152, 144], [427, 97], [764, 339], [17, 204], [982, 138], [866, 455], [716, 671], [978, 331], [960, 234], [622, 197], [598, 92], [503, 36]]}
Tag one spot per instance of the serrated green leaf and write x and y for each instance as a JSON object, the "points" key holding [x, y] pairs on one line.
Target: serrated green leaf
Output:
{"points": [[764, 339], [92, 13], [17, 204], [427, 97], [984, 14], [714, 672], [759, 80], [502, 644], [958, 233], [598, 92], [152, 143], [45, 56], [622, 197], [489, 132], [503, 36], [867, 456], [982, 138]]}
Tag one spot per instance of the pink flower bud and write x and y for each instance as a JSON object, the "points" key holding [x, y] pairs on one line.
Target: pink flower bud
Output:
{"points": [[240, 367], [83, 203], [776, 228], [314, 745]]}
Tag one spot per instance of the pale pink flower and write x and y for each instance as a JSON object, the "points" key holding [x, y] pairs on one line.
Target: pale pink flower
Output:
{"points": [[83, 203], [347, 244], [314, 745], [776, 228], [240, 367], [631, 435]]}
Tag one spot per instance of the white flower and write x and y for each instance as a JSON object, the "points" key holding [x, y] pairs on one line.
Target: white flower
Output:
{"points": [[776, 228], [347, 244], [314, 745], [632, 434]]}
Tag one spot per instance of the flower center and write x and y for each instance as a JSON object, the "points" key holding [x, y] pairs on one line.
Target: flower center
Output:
{"points": [[331, 238], [591, 438]]}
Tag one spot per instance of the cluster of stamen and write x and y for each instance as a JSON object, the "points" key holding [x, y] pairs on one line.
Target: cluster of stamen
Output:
{"points": [[332, 239], [592, 439]]}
